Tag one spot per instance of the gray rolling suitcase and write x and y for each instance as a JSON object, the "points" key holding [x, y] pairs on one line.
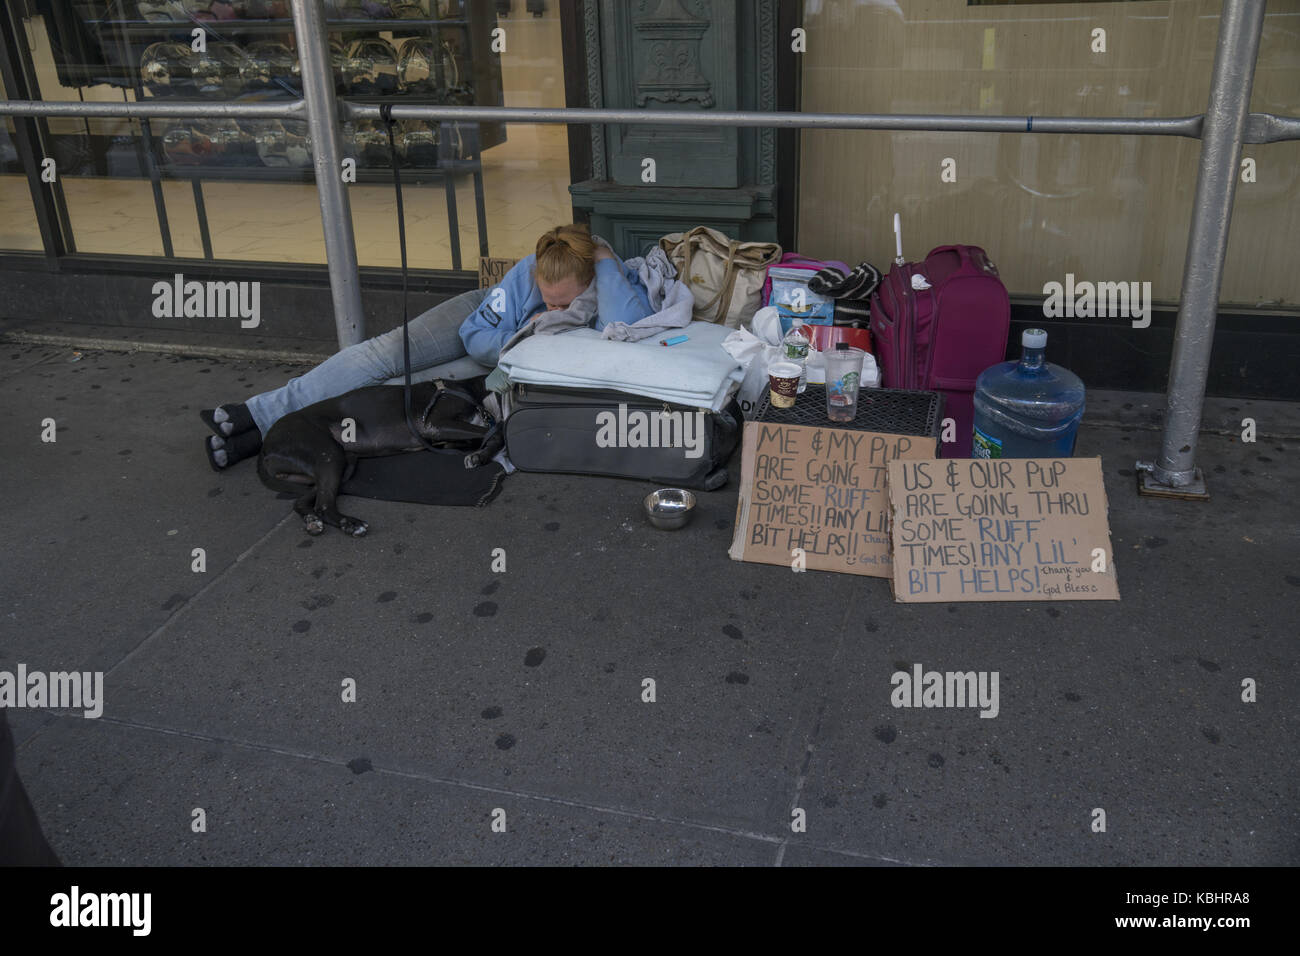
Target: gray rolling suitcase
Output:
{"points": [[612, 433]]}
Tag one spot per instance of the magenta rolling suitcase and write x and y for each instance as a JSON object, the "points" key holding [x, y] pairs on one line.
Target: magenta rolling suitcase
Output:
{"points": [[942, 337]]}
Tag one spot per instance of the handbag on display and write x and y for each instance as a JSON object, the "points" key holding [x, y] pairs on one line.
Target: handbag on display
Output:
{"points": [[725, 275], [215, 72], [229, 143], [417, 142], [184, 147], [208, 73], [268, 62], [268, 10], [220, 142], [255, 70], [277, 146], [371, 67], [345, 10], [158, 11], [455, 141], [451, 56], [370, 140], [415, 66], [338, 53], [409, 11], [166, 69]]}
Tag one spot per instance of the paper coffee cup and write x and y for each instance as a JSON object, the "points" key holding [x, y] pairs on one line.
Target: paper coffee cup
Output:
{"points": [[784, 379]]}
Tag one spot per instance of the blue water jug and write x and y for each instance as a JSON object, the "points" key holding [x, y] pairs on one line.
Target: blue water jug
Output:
{"points": [[1027, 409]]}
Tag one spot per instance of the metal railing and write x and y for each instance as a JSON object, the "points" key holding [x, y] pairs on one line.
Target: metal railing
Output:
{"points": [[1223, 128], [1240, 28]]}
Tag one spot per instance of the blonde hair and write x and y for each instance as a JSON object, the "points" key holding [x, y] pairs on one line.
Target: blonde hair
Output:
{"points": [[566, 252]]}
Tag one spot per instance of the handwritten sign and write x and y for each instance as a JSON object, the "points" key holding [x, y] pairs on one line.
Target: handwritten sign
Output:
{"points": [[491, 271], [817, 496], [1003, 529]]}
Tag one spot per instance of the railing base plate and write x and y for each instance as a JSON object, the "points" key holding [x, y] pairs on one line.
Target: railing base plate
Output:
{"points": [[1147, 485]]}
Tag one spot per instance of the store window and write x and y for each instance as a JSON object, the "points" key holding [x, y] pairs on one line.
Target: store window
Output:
{"points": [[19, 230], [244, 190], [1105, 208]]}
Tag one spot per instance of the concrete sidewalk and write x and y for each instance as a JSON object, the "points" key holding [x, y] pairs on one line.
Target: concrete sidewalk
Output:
{"points": [[521, 692]]}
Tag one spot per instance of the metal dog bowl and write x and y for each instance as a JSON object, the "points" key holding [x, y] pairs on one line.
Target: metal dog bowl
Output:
{"points": [[669, 508]]}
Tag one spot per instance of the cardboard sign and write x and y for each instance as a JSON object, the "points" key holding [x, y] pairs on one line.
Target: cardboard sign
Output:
{"points": [[821, 490], [1001, 529], [491, 271]]}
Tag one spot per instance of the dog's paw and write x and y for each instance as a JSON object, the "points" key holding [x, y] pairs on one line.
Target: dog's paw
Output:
{"points": [[353, 527], [313, 525]]}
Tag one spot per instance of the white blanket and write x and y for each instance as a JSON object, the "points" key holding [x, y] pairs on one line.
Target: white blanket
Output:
{"points": [[698, 372]]}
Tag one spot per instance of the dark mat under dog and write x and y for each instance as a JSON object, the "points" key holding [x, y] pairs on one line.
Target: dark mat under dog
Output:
{"points": [[425, 478]]}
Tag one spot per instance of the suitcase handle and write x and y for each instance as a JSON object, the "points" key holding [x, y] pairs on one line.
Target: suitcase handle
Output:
{"points": [[970, 256], [964, 260]]}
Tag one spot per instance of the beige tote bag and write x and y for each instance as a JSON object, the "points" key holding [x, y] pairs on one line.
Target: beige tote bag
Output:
{"points": [[725, 275]]}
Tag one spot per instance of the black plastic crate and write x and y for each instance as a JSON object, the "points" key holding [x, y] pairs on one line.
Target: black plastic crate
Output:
{"points": [[896, 411]]}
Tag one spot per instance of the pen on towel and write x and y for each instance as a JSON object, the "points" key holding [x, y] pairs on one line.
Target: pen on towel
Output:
{"points": [[675, 340]]}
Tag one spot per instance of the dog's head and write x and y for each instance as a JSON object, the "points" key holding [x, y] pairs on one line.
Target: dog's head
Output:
{"points": [[453, 413]]}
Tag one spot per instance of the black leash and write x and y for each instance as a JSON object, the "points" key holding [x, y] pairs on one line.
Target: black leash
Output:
{"points": [[386, 114]]}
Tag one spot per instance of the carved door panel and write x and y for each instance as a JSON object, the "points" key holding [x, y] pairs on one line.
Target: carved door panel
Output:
{"points": [[671, 55]]}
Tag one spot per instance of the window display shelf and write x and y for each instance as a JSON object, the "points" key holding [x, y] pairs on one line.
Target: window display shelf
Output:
{"points": [[407, 61], [446, 170], [156, 28]]}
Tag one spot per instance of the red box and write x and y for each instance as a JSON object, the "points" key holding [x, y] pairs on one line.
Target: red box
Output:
{"points": [[825, 337]]}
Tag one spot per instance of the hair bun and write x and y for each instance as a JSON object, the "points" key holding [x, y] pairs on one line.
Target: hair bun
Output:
{"points": [[566, 251]]}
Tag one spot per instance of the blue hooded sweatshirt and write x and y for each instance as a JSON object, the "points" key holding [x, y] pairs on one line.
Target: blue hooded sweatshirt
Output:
{"points": [[620, 297]]}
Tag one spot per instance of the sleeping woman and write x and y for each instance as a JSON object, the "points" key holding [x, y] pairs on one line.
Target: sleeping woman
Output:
{"points": [[478, 323]]}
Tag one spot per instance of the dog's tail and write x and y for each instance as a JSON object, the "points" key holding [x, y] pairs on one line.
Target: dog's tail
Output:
{"points": [[277, 483]]}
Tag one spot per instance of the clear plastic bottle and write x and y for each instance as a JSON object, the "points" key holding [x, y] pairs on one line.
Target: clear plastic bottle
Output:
{"points": [[1027, 409], [794, 348]]}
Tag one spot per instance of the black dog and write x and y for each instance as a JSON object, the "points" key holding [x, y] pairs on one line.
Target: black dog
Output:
{"points": [[308, 447]]}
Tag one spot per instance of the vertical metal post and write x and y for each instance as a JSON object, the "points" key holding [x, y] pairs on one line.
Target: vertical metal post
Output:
{"points": [[201, 210], [327, 156], [1240, 25], [447, 160], [26, 139], [147, 152]]}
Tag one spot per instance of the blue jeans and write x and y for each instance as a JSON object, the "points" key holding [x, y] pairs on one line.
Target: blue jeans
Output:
{"points": [[435, 339]]}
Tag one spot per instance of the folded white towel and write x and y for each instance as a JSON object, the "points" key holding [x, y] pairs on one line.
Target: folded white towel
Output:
{"points": [[698, 372]]}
